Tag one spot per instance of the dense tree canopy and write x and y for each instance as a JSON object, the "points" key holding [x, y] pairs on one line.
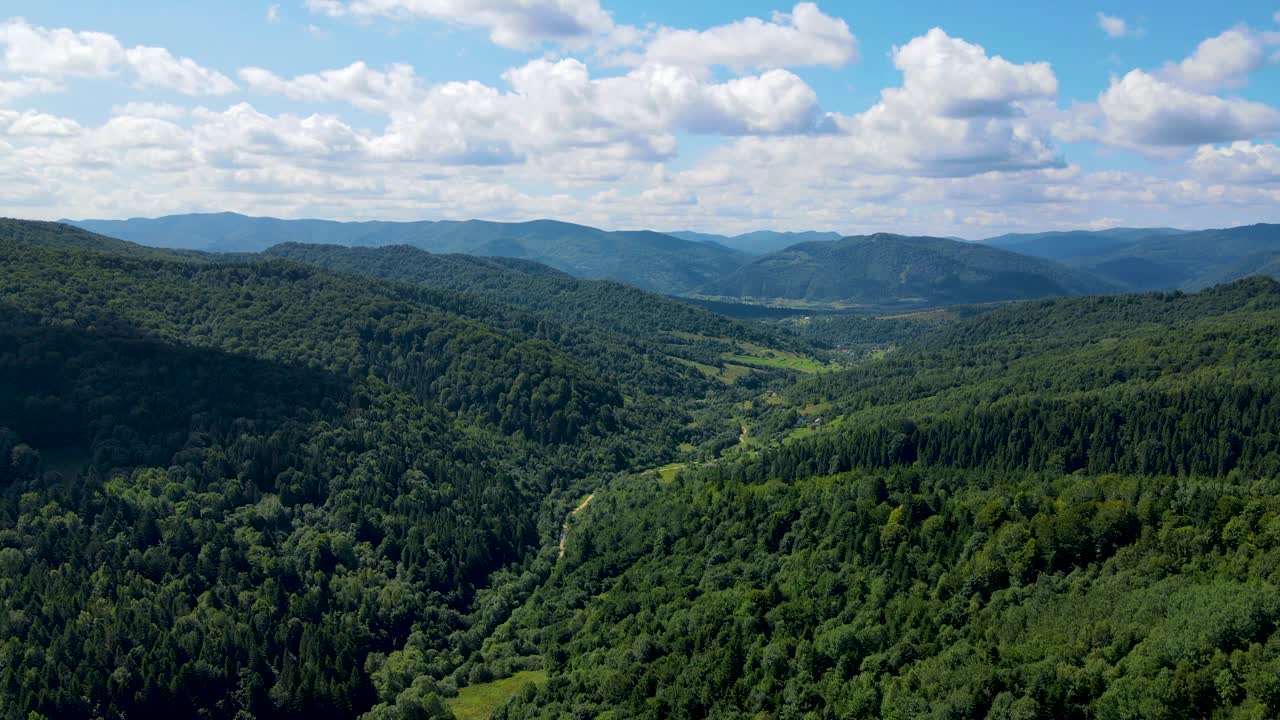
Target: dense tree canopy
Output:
{"points": [[236, 487]]}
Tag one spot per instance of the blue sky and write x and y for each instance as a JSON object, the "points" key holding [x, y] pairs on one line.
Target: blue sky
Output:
{"points": [[949, 118]]}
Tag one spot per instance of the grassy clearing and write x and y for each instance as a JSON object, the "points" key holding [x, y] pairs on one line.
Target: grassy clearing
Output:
{"points": [[477, 702], [729, 374], [667, 473], [734, 373], [753, 355], [761, 356]]}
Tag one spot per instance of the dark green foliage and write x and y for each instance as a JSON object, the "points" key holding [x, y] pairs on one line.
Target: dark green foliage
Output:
{"points": [[1024, 517], [270, 489], [913, 593], [259, 488], [611, 322], [50, 234], [887, 270]]}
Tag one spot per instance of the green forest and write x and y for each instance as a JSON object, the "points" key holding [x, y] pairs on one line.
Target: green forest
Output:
{"points": [[331, 482]]}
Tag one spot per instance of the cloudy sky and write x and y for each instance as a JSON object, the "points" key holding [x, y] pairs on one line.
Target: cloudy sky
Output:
{"points": [[967, 119]]}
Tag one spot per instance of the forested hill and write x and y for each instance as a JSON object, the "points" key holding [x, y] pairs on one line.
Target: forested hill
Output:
{"points": [[240, 487], [648, 260], [62, 235], [760, 242], [1058, 509], [643, 322], [888, 270]]}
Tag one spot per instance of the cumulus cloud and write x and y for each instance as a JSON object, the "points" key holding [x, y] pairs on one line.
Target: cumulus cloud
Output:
{"points": [[273, 13], [806, 36], [1113, 26], [11, 90], [958, 113], [556, 106], [35, 124], [166, 111], [962, 141], [157, 67], [1143, 110], [356, 84], [956, 79], [1222, 61], [56, 53], [1239, 162], [511, 23]]}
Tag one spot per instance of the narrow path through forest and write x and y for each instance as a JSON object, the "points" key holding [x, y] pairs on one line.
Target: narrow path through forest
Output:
{"points": [[564, 529]]}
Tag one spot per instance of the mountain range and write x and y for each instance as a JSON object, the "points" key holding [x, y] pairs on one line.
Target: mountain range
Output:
{"points": [[1158, 258], [885, 269], [323, 482], [760, 242], [648, 260], [819, 270]]}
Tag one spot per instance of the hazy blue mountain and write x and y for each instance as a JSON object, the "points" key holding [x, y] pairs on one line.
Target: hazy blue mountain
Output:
{"points": [[1062, 245], [1267, 264], [649, 260], [885, 269], [760, 242], [1158, 258]]}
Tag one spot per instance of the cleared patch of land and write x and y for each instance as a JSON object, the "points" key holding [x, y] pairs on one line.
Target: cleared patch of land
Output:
{"points": [[477, 702]]}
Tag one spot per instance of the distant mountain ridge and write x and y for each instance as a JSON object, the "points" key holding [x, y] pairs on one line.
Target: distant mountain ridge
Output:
{"points": [[810, 267], [759, 242], [648, 260], [1158, 258], [887, 269]]}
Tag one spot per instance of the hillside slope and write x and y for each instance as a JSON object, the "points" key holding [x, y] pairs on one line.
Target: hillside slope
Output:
{"points": [[886, 270], [1063, 508], [235, 488], [640, 340]]}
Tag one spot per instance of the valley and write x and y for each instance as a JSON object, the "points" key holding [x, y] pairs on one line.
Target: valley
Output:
{"points": [[618, 360], [380, 481]]}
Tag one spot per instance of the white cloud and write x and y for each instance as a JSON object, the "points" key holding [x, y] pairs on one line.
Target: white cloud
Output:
{"points": [[35, 124], [959, 112], [557, 107], [56, 53], [1113, 26], [1143, 110], [806, 36], [164, 111], [956, 79], [961, 142], [273, 13], [1222, 61], [356, 84], [243, 136], [511, 23], [22, 87], [157, 67], [1240, 162]]}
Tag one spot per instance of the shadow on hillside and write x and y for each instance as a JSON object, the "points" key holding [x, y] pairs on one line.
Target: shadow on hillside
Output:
{"points": [[120, 397]]}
